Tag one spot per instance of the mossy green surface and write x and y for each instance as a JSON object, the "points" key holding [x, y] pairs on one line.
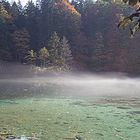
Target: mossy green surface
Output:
{"points": [[64, 118]]}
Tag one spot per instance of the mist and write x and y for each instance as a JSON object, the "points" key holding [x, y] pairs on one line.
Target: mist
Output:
{"points": [[69, 99], [70, 84]]}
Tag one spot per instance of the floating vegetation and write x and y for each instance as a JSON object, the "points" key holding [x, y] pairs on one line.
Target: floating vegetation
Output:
{"points": [[135, 112], [12, 137], [4, 133], [137, 120], [123, 107], [90, 117], [68, 119], [74, 138], [8, 102], [8, 135], [84, 104], [78, 137], [121, 101], [100, 134], [21, 138]]}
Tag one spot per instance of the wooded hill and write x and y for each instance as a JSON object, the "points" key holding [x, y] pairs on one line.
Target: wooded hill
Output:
{"points": [[80, 33]]}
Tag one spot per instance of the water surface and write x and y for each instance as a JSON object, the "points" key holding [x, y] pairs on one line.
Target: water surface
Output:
{"points": [[64, 108]]}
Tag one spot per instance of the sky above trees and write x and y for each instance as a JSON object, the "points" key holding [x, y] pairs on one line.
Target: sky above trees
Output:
{"points": [[23, 2]]}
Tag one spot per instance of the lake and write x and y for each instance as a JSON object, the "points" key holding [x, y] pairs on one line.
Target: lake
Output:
{"points": [[70, 108]]}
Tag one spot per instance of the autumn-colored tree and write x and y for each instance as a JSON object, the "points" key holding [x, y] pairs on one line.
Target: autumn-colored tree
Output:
{"points": [[4, 15], [59, 16], [90, 27], [133, 20]]}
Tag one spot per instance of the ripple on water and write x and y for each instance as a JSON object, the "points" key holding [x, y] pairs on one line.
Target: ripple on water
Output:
{"points": [[123, 107], [135, 112], [137, 120]]}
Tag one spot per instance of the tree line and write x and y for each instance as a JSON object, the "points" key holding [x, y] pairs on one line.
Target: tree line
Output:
{"points": [[63, 33]]}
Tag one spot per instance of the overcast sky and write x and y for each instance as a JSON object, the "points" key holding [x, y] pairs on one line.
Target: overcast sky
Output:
{"points": [[23, 2]]}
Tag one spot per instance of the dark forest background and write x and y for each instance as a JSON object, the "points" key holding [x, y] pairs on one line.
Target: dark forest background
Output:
{"points": [[59, 33]]}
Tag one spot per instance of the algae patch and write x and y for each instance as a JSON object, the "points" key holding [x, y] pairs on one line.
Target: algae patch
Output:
{"points": [[70, 118]]}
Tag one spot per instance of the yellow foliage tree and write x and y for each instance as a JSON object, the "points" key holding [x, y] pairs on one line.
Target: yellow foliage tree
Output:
{"points": [[4, 14]]}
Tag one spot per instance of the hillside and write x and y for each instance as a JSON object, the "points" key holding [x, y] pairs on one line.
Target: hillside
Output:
{"points": [[81, 34]]}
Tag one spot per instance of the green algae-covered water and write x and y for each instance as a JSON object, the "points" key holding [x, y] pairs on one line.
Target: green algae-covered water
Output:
{"points": [[70, 108], [72, 118]]}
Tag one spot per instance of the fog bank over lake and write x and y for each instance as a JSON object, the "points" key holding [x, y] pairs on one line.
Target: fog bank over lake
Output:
{"points": [[71, 105], [72, 84]]}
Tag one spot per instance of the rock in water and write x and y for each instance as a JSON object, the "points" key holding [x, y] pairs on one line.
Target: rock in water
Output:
{"points": [[19, 138], [23, 138]]}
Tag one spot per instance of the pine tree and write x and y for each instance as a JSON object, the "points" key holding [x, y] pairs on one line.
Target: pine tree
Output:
{"points": [[31, 57], [78, 5], [38, 4], [65, 54], [43, 57], [5, 52], [20, 6], [99, 52], [14, 10], [5, 18], [55, 47], [21, 41], [32, 24], [30, 9], [60, 53]]}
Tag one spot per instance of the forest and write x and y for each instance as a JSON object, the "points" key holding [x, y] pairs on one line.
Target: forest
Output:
{"points": [[70, 70], [77, 34]]}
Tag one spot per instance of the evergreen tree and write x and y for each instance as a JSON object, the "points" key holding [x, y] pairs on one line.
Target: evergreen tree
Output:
{"points": [[20, 7], [31, 57], [54, 47], [5, 51], [59, 16], [99, 50], [43, 57], [19, 21], [29, 9], [15, 10], [60, 53], [5, 20], [78, 5], [21, 41], [32, 24], [38, 4], [65, 54], [95, 43]]}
